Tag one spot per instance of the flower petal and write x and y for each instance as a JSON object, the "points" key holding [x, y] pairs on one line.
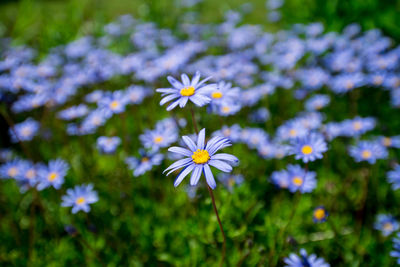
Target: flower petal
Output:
{"points": [[226, 157], [220, 165], [175, 83], [178, 164], [209, 176], [194, 179], [183, 174], [185, 80], [189, 142], [180, 150], [200, 139]]}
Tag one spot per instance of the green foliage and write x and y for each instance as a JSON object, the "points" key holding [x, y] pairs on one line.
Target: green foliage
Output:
{"points": [[146, 221]]}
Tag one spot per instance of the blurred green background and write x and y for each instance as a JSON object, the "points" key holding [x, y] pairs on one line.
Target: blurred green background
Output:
{"points": [[132, 224], [45, 23]]}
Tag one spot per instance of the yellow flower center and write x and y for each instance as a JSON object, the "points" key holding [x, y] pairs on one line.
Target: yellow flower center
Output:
{"points": [[114, 104], [388, 226], [216, 94], [187, 91], [357, 125], [319, 214], [30, 174], [306, 150], [96, 120], [225, 109], [387, 141], [292, 132], [80, 200], [378, 80], [26, 131], [349, 85], [158, 139], [227, 132], [200, 156], [12, 172], [52, 176], [366, 154], [145, 159], [297, 180]]}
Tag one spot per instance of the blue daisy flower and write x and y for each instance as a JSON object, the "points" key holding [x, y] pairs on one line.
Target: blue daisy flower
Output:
{"points": [[80, 198], [386, 223], [114, 102], [199, 157], [368, 151], [320, 214], [308, 148], [312, 260], [223, 92], [53, 174], [29, 173], [24, 131], [12, 169], [393, 177], [300, 179], [281, 179], [144, 163], [392, 141], [358, 126], [108, 145], [73, 112], [317, 102], [395, 253], [233, 133], [158, 138], [230, 180], [194, 90]]}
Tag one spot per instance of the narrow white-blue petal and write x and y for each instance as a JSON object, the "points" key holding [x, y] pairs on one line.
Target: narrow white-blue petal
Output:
{"points": [[183, 174], [194, 179], [209, 176]]}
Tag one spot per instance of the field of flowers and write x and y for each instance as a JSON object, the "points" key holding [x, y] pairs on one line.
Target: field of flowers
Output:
{"points": [[196, 133]]}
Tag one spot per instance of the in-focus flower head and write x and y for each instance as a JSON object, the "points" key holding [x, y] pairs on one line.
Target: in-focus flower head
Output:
{"points": [[199, 157], [80, 198], [194, 90]]}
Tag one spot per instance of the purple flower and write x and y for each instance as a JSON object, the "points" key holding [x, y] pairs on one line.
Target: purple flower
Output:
{"points": [[195, 90], [199, 157], [309, 148], [53, 174], [79, 198], [368, 151]]}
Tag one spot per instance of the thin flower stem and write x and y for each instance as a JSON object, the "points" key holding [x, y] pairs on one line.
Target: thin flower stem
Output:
{"points": [[212, 200], [220, 226], [194, 121], [282, 232]]}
